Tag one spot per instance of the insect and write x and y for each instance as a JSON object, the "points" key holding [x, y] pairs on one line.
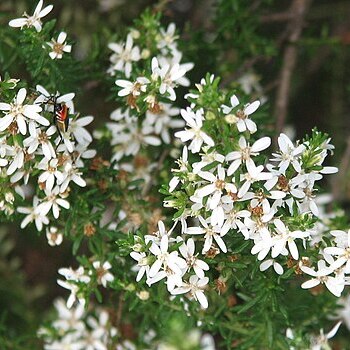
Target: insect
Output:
{"points": [[60, 110], [61, 117]]}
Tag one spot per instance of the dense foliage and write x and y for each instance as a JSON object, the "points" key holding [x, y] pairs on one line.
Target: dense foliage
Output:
{"points": [[183, 212]]}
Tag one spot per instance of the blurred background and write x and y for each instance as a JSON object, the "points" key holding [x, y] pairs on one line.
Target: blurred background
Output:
{"points": [[294, 54]]}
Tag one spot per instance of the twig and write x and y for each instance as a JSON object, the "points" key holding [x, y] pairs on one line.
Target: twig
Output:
{"points": [[120, 309], [277, 17], [299, 7]]}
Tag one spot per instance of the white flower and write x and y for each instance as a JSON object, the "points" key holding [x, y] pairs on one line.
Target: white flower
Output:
{"points": [[168, 37], [165, 259], [195, 121], [74, 293], [45, 97], [130, 88], [128, 136], [54, 238], [50, 174], [233, 219], [285, 237], [170, 76], [81, 135], [255, 173], [68, 319], [142, 264], [183, 163], [334, 284], [320, 342], [344, 312], [34, 20], [342, 253], [207, 158], [187, 251], [77, 275], [54, 202], [289, 154], [163, 121], [103, 275], [241, 117], [18, 156], [271, 262], [59, 47], [40, 137], [71, 173], [33, 214], [210, 233], [245, 152], [195, 287], [218, 184], [124, 55], [307, 186], [263, 242], [17, 112]]}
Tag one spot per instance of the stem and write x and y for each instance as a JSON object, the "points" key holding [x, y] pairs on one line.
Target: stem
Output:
{"points": [[299, 9]]}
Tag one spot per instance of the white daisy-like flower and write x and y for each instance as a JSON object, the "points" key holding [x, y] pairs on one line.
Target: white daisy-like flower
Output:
{"points": [[210, 233], [341, 252], [183, 164], [59, 46], [51, 173], [45, 96], [18, 156], [245, 152], [132, 88], [74, 294], [123, 56], [170, 76], [289, 154], [142, 264], [53, 202], [41, 138], [285, 237], [80, 133], [271, 262], [187, 251], [164, 120], [320, 342], [165, 259], [19, 113], [255, 173], [334, 284], [34, 20], [54, 238], [241, 117], [33, 214], [103, 275], [195, 121], [207, 157], [71, 173], [195, 287], [168, 38]]}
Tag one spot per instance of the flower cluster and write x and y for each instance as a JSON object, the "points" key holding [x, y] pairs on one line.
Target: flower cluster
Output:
{"points": [[35, 163], [77, 280], [149, 116], [56, 47], [76, 328], [232, 189], [93, 329], [314, 342]]}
